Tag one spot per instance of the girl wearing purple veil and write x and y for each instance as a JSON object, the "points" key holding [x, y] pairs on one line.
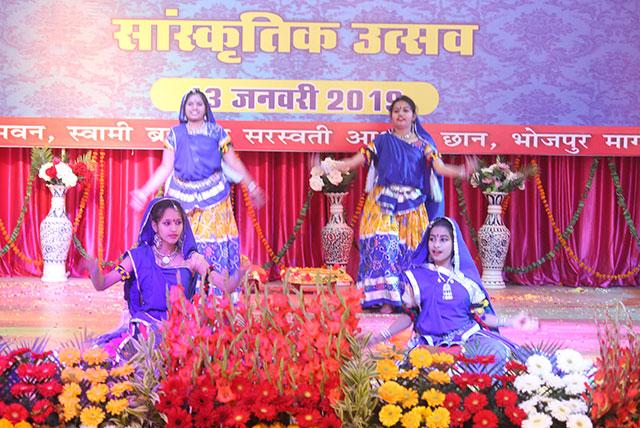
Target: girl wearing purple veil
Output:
{"points": [[197, 163], [400, 202], [165, 256], [446, 300]]}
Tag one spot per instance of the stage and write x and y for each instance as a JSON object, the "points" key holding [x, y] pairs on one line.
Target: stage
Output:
{"points": [[30, 308]]}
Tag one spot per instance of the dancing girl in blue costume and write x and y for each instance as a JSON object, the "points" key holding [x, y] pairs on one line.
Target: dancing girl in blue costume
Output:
{"points": [[402, 197]]}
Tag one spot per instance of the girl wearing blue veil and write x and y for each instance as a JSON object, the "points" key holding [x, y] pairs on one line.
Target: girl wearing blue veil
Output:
{"points": [[400, 202], [197, 164], [446, 301], [165, 257]]}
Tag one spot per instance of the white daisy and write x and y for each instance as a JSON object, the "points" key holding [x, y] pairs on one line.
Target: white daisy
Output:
{"points": [[537, 420], [538, 365], [560, 410], [577, 405], [529, 406], [570, 361], [553, 381], [527, 383], [575, 384], [579, 421]]}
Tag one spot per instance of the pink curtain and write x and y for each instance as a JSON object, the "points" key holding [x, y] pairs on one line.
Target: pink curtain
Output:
{"points": [[602, 239]]}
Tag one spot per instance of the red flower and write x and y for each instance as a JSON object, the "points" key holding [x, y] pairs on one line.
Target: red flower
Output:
{"points": [[41, 411], [50, 389], [46, 371], [21, 389], [515, 366], [51, 172], [505, 379], [308, 417], [15, 413], [482, 380], [458, 417], [26, 371], [485, 419], [264, 412], [238, 417], [463, 379], [452, 400], [5, 363], [178, 417], [486, 359], [205, 416], [225, 393], [475, 402], [173, 393], [506, 397], [515, 414]]}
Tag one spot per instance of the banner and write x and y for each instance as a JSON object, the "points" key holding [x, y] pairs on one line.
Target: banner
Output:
{"points": [[324, 136]]}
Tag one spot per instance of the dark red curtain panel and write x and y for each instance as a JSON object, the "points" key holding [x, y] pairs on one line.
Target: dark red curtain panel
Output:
{"points": [[602, 239]]}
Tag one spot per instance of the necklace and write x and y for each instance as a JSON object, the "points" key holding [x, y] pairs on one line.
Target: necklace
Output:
{"points": [[165, 259], [407, 137]]}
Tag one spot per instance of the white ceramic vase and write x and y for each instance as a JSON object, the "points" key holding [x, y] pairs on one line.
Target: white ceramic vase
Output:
{"points": [[337, 236], [494, 239], [55, 237]]}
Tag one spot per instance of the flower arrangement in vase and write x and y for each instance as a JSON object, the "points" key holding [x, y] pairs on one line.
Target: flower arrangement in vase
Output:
{"points": [[499, 177], [327, 177]]}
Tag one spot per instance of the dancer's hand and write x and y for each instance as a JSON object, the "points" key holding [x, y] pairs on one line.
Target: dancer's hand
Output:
{"points": [[525, 322], [138, 200], [470, 164], [257, 197]]}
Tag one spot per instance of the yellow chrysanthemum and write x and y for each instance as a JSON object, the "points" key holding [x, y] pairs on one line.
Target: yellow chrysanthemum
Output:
{"points": [[410, 374], [439, 377], [22, 424], [118, 389], [420, 358], [95, 356], [92, 416], [440, 418], [411, 419], [71, 389], [434, 397], [387, 369], [72, 374], [98, 393], [5, 423], [410, 398], [391, 392], [70, 410], [389, 415], [124, 370], [426, 412], [443, 358], [116, 407], [69, 400], [69, 356], [96, 375]]}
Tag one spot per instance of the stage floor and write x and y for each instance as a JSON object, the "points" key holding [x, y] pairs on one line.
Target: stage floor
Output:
{"points": [[30, 309]]}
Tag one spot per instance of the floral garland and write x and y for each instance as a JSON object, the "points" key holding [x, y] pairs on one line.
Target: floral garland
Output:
{"points": [[83, 199], [621, 200], [356, 214], [292, 237], [14, 234], [568, 230], [571, 253], [101, 210]]}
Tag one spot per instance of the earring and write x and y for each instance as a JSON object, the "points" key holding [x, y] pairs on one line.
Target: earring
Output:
{"points": [[156, 240]]}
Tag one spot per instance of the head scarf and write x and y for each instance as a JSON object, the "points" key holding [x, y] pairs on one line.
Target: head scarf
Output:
{"points": [[208, 114], [146, 234]]}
